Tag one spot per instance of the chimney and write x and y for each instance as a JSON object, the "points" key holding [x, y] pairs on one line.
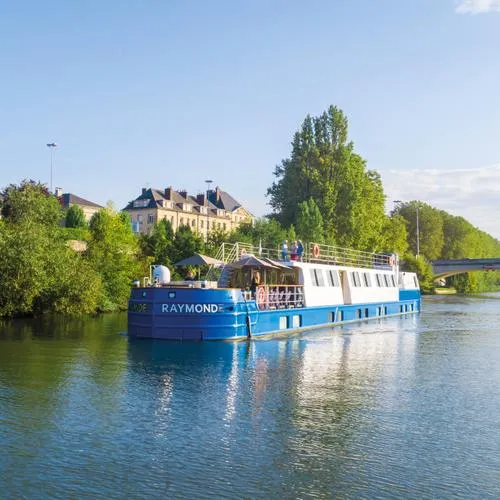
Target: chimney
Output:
{"points": [[217, 195], [183, 193], [200, 199], [168, 192], [58, 192]]}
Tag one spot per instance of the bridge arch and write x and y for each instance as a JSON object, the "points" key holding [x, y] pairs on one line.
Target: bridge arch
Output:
{"points": [[446, 268]]}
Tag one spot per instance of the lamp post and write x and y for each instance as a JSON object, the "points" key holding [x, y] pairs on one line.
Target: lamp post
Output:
{"points": [[51, 146], [209, 183], [418, 236]]}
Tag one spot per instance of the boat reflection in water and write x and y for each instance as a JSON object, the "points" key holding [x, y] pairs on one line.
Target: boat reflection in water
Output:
{"points": [[304, 395]]}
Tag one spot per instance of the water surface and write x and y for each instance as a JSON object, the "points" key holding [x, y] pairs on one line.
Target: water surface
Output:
{"points": [[405, 407]]}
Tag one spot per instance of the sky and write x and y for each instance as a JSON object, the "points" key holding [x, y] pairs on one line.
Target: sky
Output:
{"points": [[158, 93]]}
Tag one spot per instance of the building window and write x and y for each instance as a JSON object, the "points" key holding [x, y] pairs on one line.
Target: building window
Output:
{"points": [[141, 203], [187, 207], [139, 217], [203, 210], [181, 221], [201, 223], [193, 222], [151, 219]]}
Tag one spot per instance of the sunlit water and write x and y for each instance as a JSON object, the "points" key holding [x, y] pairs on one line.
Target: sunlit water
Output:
{"points": [[400, 408]]}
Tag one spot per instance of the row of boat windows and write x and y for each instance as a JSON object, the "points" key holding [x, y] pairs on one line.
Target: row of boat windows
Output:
{"points": [[295, 321], [358, 279]]}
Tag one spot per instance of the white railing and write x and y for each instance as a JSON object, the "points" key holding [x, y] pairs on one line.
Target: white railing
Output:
{"points": [[329, 254], [279, 296], [314, 252]]}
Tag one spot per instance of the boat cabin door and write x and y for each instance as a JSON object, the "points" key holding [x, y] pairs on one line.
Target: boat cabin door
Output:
{"points": [[346, 289]]}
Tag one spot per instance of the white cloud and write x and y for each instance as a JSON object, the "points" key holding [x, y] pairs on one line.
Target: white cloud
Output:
{"points": [[471, 193], [478, 6]]}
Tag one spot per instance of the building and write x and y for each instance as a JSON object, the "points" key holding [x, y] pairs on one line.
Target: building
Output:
{"points": [[68, 199], [214, 210]]}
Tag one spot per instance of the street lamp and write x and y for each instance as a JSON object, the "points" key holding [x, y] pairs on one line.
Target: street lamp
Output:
{"points": [[209, 183], [397, 202], [51, 146]]}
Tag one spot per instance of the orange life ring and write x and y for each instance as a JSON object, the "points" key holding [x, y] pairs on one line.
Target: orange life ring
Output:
{"points": [[316, 251], [261, 294]]}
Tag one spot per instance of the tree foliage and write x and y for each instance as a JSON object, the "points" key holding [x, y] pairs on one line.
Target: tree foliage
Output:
{"points": [[75, 217], [324, 167]]}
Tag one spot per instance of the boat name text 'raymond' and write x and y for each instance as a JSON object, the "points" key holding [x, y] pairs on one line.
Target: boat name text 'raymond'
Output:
{"points": [[192, 308]]}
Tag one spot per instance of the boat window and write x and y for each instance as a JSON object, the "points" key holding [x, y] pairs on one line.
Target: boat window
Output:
{"points": [[333, 278], [415, 281], [313, 277], [368, 281], [386, 279], [392, 281], [379, 280], [319, 277], [355, 278]]}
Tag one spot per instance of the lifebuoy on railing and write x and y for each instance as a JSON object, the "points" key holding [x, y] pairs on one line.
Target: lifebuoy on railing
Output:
{"points": [[261, 296], [316, 251]]}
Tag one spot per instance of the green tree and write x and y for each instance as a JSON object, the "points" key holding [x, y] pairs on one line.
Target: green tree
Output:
{"points": [[185, 244], [30, 201], [113, 252], [75, 217], [158, 244], [323, 166], [310, 225]]}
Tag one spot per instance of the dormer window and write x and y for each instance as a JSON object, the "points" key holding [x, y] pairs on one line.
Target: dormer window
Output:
{"points": [[203, 210], [220, 212], [165, 203], [141, 203], [187, 207]]}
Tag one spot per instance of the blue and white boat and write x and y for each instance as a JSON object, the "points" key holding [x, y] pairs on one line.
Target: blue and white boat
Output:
{"points": [[327, 287]]}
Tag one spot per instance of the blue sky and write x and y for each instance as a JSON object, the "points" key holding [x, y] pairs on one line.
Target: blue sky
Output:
{"points": [[144, 93]]}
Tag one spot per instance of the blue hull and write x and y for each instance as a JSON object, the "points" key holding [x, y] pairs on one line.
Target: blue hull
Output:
{"points": [[223, 314]]}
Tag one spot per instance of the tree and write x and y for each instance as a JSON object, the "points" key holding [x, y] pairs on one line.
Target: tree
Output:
{"points": [[31, 201], [323, 166], [185, 244], [113, 252], [310, 222], [158, 244], [430, 231], [75, 217]]}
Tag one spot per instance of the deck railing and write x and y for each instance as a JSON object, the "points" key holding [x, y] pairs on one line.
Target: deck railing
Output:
{"points": [[279, 296], [313, 252]]}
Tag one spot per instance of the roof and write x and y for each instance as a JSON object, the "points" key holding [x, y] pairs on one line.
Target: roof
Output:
{"points": [[156, 197], [71, 199]]}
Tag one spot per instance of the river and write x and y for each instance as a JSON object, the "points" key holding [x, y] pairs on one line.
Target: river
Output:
{"points": [[398, 408]]}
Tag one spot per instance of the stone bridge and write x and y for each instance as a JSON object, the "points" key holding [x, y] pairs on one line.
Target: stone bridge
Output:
{"points": [[445, 268]]}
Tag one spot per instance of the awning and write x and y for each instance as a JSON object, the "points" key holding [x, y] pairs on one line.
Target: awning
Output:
{"points": [[199, 260], [251, 261]]}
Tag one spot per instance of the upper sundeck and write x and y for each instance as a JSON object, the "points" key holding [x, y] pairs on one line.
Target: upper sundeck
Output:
{"points": [[313, 253]]}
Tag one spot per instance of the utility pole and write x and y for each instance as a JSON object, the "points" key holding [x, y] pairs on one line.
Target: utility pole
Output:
{"points": [[418, 235], [51, 146]]}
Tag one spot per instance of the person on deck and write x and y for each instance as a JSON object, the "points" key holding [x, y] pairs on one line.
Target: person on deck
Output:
{"points": [[293, 250], [190, 276], [284, 250], [255, 283], [300, 250]]}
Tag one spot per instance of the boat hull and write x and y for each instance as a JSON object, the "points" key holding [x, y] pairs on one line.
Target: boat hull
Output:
{"points": [[224, 314]]}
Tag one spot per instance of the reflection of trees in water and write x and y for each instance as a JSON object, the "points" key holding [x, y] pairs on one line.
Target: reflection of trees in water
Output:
{"points": [[50, 364]]}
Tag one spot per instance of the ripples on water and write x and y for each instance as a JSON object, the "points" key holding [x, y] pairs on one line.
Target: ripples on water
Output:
{"points": [[403, 407]]}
